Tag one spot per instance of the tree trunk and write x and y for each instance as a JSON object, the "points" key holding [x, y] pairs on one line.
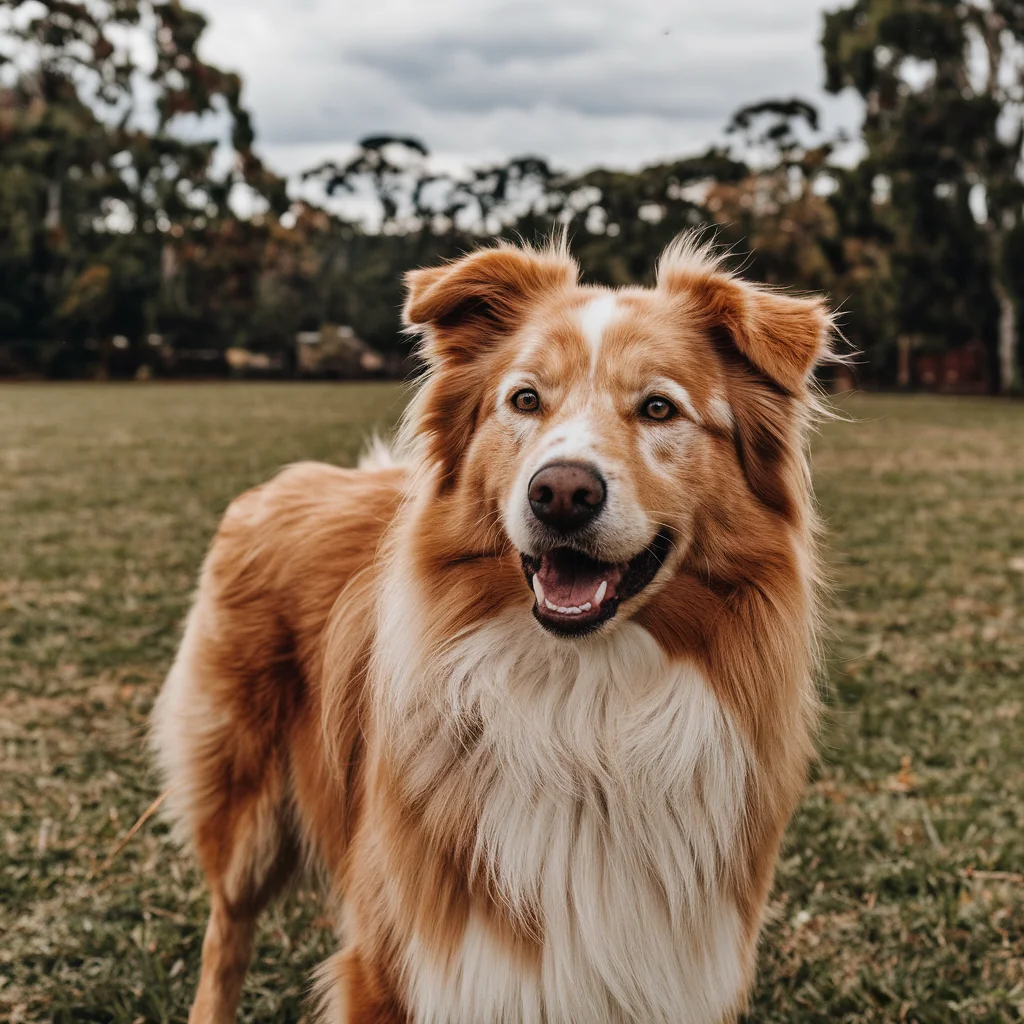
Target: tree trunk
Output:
{"points": [[53, 220], [1007, 347], [903, 345]]}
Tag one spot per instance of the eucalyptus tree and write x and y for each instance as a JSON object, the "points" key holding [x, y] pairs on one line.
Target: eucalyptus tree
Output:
{"points": [[128, 148], [943, 85]]}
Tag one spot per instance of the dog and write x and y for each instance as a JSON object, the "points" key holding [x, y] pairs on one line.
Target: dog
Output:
{"points": [[536, 688]]}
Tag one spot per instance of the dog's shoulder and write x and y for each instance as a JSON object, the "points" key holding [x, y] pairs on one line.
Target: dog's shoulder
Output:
{"points": [[300, 536]]}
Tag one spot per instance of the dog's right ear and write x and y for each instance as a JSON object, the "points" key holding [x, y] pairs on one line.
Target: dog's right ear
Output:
{"points": [[461, 306], [461, 311]]}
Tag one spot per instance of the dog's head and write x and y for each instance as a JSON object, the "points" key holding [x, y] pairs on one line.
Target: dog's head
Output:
{"points": [[596, 430]]}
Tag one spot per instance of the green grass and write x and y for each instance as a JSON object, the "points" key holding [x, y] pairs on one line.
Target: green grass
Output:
{"points": [[900, 895]]}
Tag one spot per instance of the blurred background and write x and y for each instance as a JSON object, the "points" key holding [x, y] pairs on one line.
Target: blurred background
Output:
{"points": [[235, 188], [196, 196]]}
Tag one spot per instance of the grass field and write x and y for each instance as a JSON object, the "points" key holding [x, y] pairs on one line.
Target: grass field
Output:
{"points": [[900, 896]]}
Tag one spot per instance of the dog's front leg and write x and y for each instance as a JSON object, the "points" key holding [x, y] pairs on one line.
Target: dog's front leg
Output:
{"points": [[355, 991], [227, 948]]}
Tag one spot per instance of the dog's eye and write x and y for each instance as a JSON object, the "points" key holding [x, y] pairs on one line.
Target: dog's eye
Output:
{"points": [[658, 408], [526, 400]]}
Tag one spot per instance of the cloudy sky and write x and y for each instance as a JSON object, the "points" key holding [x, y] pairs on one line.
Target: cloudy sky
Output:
{"points": [[613, 82]]}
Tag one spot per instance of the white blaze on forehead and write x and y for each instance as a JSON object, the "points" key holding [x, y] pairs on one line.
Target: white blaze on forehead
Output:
{"points": [[570, 439], [595, 317]]}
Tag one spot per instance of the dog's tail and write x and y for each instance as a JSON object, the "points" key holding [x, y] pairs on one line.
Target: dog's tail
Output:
{"points": [[378, 454]]}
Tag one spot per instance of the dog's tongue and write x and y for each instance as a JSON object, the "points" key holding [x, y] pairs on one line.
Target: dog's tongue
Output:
{"points": [[570, 579]]}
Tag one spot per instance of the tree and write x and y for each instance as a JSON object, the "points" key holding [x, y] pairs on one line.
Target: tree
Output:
{"points": [[778, 210], [386, 175], [54, 154], [944, 132], [106, 179]]}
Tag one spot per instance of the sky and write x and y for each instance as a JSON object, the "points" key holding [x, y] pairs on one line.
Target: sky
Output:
{"points": [[618, 83]]}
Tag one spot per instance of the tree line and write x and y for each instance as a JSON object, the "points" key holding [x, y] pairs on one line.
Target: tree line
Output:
{"points": [[135, 213]]}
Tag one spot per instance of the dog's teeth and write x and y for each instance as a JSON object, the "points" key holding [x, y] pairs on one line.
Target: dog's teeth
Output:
{"points": [[601, 591], [538, 590], [564, 609]]}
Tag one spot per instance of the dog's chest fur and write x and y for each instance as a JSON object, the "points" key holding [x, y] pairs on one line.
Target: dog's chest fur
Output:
{"points": [[607, 786]]}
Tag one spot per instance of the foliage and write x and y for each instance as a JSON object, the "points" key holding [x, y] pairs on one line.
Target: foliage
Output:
{"points": [[117, 217], [943, 84], [92, 178]]}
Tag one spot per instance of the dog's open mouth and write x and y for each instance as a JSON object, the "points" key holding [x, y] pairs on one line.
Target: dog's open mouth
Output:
{"points": [[576, 593]]}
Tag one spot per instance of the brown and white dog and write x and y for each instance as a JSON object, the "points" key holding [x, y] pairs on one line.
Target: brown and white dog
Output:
{"points": [[538, 693]]}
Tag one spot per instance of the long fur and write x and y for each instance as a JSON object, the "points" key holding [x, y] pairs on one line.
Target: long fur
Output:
{"points": [[514, 825]]}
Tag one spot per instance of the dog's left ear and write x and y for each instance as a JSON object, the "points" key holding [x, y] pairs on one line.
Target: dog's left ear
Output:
{"points": [[464, 305], [782, 336], [769, 344]]}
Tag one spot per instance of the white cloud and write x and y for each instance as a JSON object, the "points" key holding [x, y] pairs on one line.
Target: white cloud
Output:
{"points": [[615, 82]]}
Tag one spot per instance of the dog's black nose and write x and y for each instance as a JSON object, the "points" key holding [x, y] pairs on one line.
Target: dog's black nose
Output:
{"points": [[566, 495]]}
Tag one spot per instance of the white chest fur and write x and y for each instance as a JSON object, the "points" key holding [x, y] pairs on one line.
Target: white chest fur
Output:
{"points": [[608, 787]]}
